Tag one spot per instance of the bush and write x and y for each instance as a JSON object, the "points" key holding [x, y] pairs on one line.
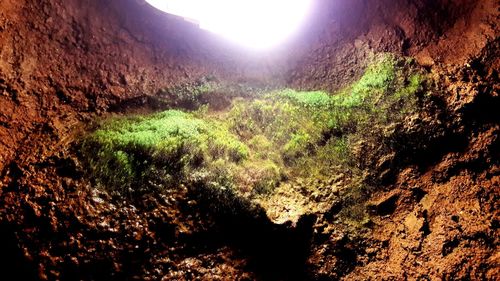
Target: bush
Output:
{"points": [[298, 146]]}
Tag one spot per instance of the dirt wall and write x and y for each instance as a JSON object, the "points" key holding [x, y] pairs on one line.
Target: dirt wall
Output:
{"points": [[65, 63]]}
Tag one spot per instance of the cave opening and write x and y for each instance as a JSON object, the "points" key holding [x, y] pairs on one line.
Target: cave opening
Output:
{"points": [[251, 24]]}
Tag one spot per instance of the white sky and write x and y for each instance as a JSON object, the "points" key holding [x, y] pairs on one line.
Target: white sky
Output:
{"points": [[256, 24]]}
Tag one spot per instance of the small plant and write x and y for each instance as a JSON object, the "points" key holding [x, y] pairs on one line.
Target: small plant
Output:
{"points": [[298, 146], [206, 91], [187, 95], [316, 99], [262, 177]]}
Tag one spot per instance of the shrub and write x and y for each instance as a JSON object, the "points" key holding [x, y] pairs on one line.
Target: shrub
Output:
{"points": [[261, 176], [298, 146]]}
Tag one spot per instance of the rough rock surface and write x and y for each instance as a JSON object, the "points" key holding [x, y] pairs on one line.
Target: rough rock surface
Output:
{"points": [[64, 63]]}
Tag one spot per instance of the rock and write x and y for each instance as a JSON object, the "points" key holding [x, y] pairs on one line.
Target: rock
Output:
{"points": [[385, 205]]}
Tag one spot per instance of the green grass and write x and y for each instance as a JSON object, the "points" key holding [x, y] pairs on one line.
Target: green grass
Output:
{"points": [[259, 140], [314, 99], [124, 152], [206, 91]]}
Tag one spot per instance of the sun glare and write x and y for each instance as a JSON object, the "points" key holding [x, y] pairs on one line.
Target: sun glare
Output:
{"points": [[257, 24]]}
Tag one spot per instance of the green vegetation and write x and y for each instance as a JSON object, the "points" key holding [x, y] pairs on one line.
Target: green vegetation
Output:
{"points": [[206, 91], [127, 152], [258, 141]]}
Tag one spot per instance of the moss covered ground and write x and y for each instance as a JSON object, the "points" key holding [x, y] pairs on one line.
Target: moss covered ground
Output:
{"points": [[272, 145]]}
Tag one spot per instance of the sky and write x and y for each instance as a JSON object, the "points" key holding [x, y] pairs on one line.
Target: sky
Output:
{"points": [[256, 24]]}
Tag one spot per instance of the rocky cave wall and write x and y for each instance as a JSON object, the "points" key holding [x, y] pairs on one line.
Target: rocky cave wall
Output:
{"points": [[63, 63]]}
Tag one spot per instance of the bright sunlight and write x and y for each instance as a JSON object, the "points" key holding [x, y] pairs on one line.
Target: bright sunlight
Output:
{"points": [[257, 24]]}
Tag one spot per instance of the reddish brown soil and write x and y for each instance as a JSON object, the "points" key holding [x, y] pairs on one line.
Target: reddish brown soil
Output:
{"points": [[64, 63]]}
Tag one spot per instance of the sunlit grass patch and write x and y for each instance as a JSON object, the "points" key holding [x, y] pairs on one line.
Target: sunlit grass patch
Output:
{"points": [[123, 152], [259, 141]]}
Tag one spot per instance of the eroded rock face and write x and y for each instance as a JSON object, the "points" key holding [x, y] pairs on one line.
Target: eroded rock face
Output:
{"points": [[444, 33], [63, 63]]}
